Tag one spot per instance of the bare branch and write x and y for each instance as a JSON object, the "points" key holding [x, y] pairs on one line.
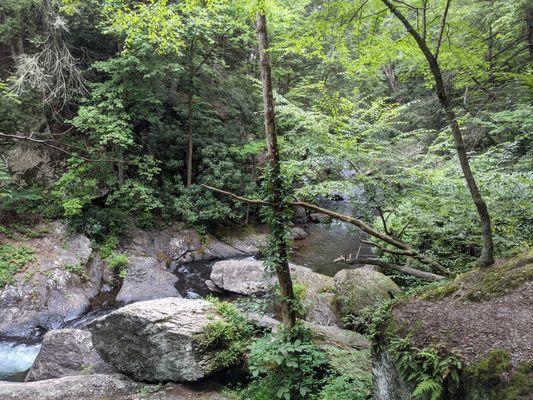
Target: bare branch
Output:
{"points": [[385, 249], [236, 197], [442, 27], [400, 268], [50, 144], [346, 218]]}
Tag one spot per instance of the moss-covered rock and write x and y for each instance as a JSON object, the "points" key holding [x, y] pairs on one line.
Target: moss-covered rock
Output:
{"points": [[494, 378], [357, 289], [478, 325]]}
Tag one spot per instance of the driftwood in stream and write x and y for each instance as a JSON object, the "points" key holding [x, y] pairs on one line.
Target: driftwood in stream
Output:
{"points": [[395, 267], [407, 250]]}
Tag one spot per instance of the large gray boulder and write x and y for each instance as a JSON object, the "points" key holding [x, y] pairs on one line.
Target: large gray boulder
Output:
{"points": [[157, 340], [251, 277], [357, 289], [246, 276], [66, 352], [79, 387], [49, 292], [146, 279]]}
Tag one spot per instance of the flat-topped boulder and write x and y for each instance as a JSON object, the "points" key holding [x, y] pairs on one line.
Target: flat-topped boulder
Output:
{"points": [[251, 277], [482, 320], [157, 340]]}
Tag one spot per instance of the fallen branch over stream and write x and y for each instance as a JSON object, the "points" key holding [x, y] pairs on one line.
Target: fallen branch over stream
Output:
{"points": [[407, 250], [395, 267]]}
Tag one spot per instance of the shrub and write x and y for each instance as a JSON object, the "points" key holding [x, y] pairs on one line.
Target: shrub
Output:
{"points": [[288, 365], [12, 260], [231, 335]]}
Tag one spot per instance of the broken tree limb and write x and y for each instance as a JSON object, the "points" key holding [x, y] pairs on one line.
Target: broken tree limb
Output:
{"points": [[395, 267], [436, 266], [385, 249], [237, 197], [408, 250]]}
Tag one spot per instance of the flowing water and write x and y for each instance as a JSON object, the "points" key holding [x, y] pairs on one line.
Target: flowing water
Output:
{"points": [[326, 242], [16, 357]]}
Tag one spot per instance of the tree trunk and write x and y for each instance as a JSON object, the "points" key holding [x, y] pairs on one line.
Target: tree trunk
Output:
{"points": [[391, 77], [190, 98], [275, 182], [529, 21], [487, 251]]}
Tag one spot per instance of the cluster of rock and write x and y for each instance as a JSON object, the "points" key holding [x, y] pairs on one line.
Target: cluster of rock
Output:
{"points": [[68, 273], [328, 300], [156, 336], [149, 341]]}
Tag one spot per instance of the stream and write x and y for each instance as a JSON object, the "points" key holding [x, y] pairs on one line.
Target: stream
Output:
{"points": [[16, 357], [326, 242]]}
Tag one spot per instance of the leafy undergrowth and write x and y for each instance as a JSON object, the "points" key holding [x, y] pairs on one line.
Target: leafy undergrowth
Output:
{"points": [[12, 260], [288, 365]]}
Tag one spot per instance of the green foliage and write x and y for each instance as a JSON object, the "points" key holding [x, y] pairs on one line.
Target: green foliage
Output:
{"points": [[76, 268], [425, 369], [288, 365], [346, 388], [99, 223], [230, 335], [13, 259]]}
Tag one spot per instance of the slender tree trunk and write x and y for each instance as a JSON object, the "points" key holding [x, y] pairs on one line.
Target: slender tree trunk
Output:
{"points": [[190, 99], [391, 77], [487, 251], [275, 184], [529, 21]]}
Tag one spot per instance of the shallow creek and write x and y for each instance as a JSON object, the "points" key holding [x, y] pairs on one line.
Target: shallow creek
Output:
{"points": [[325, 243]]}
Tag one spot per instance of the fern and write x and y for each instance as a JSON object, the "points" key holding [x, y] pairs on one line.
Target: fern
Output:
{"points": [[428, 387]]}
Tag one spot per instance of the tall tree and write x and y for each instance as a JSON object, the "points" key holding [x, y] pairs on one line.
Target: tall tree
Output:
{"points": [[275, 184], [487, 251]]}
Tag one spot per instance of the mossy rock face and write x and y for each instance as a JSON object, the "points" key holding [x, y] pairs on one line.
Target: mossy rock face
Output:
{"points": [[487, 283], [359, 288], [481, 318], [494, 378]]}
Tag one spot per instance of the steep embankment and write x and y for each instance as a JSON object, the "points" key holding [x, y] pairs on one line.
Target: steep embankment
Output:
{"points": [[467, 339]]}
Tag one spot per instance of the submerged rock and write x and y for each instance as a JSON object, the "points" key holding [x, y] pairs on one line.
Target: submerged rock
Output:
{"points": [[359, 288], [147, 279], [55, 288], [320, 218], [66, 352], [80, 387], [298, 233], [157, 340]]}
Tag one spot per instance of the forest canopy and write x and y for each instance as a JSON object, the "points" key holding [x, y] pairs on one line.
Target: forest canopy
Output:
{"points": [[139, 103]]}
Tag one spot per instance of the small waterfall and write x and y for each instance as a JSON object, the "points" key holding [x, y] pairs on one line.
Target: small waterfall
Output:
{"points": [[16, 357], [388, 385]]}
